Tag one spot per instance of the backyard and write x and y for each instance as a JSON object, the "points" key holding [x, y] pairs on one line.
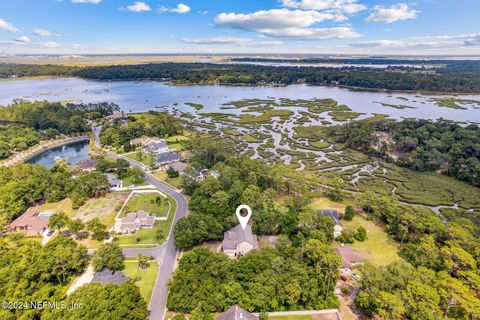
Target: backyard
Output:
{"points": [[162, 175], [378, 248], [154, 203], [144, 279], [148, 237]]}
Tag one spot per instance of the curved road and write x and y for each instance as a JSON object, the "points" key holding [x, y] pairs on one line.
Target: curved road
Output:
{"points": [[165, 254]]}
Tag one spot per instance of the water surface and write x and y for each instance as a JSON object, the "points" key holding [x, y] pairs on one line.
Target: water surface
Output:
{"points": [[72, 152]]}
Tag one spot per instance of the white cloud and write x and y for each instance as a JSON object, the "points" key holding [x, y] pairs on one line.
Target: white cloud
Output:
{"points": [[429, 42], [272, 19], [243, 42], [138, 6], [341, 6], [285, 23], [180, 9], [23, 39], [393, 13], [7, 26], [42, 32], [87, 1]]}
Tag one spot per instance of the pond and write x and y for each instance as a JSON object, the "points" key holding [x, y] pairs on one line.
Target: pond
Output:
{"points": [[73, 153], [139, 96]]}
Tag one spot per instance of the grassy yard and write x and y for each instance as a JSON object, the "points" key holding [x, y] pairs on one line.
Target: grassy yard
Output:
{"points": [[146, 278], [378, 248], [153, 203], [176, 147], [298, 317], [64, 205], [148, 236], [326, 204], [140, 157], [162, 175], [104, 208]]}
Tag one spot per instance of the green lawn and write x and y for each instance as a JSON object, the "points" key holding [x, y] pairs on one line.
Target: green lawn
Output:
{"points": [[378, 248], [140, 157], [148, 236], [146, 278], [176, 147], [162, 175], [153, 203]]}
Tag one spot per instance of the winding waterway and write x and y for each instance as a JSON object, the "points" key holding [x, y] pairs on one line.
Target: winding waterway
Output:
{"points": [[139, 96]]}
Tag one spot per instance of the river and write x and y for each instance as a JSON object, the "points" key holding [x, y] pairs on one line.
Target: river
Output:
{"points": [[139, 96]]}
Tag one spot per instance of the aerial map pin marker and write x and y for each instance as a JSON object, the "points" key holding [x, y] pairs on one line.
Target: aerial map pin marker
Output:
{"points": [[243, 220]]}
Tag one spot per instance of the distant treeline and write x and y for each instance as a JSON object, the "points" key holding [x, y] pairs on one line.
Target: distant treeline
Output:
{"points": [[458, 76], [373, 61]]}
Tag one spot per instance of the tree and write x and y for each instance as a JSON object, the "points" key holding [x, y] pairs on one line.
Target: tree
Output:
{"points": [[110, 256], [75, 226], [172, 173], [349, 213], [98, 301], [142, 261], [159, 235], [421, 301], [360, 234], [97, 229], [58, 220]]}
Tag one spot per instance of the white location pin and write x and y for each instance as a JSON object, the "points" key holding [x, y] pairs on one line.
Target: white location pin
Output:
{"points": [[243, 220]]}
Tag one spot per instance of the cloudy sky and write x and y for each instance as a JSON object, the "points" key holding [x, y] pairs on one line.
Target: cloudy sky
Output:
{"points": [[422, 27]]}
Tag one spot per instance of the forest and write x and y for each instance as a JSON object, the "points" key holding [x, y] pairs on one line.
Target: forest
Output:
{"points": [[25, 185], [439, 277], [151, 124], [422, 145], [26, 123], [459, 77]]}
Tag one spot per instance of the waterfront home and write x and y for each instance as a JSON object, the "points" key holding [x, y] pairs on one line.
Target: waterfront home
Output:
{"points": [[134, 221], [238, 241], [116, 116], [87, 164]]}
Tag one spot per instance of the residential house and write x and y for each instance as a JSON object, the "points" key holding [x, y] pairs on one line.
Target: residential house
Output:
{"points": [[166, 158], [338, 228], [238, 241], [177, 166], [134, 221], [32, 222], [113, 182], [107, 276], [236, 313], [87, 164], [156, 147], [349, 257], [116, 116]]}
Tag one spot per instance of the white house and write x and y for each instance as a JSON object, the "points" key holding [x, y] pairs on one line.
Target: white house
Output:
{"points": [[238, 241], [134, 221], [338, 228]]}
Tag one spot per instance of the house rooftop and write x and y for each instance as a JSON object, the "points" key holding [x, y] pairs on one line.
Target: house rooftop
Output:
{"points": [[112, 179], [349, 256], [167, 157], [236, 313], [107, 276], [233, 237], [87, 164], [333, 214], [32, 222]]}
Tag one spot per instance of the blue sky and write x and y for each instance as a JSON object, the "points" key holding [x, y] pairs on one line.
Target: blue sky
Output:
{"points": [[240, 26]]}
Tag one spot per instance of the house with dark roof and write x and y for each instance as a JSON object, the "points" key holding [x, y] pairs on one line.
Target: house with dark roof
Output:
{"points": [[338, 228], [107, 276], [167, 157], [238, 241], [236, 313], [116, 116], [87, 164], [113, 182]]}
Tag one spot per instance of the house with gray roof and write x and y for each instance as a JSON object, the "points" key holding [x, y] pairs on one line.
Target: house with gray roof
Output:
{"points": [[107, 276], [134, 221], [238, 241], [113, 182], [236, 313], [167, 157], [338, 228]]}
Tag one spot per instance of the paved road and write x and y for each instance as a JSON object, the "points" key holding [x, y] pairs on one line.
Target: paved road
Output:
{"points": [[165, 254]]}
